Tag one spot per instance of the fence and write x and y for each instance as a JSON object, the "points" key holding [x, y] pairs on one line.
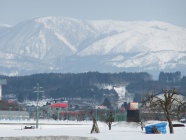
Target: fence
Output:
{"points": [[63, 114], [14, 115], [80, 115]]}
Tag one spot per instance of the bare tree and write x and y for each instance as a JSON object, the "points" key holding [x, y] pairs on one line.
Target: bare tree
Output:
{"points": [[170, 103], [109, 120], [94, 126]]}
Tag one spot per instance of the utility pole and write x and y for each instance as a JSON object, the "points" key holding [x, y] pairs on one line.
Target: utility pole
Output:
{"points": [[2, 82], [37, 90]]}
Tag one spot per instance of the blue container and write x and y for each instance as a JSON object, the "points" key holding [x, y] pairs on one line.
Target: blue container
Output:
{"points": [[160, 126]]}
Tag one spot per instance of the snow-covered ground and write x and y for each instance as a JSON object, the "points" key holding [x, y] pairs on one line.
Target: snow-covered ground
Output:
{"points": [[120, 131]]}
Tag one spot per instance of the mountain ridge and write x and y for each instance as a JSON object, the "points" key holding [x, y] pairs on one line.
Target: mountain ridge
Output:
{"points": [[62, 43]]}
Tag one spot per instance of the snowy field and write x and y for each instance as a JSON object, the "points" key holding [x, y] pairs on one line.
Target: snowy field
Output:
{"points": [[73, 130]]}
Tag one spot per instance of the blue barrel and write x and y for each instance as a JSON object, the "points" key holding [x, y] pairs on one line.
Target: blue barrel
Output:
{"points": [[160, 126]]}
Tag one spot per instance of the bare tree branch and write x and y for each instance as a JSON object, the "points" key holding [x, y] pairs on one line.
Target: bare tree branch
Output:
{"points": [[170, 104]]}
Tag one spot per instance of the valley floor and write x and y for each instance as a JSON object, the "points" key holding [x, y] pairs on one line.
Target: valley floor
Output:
{"points": [[120, 131]]}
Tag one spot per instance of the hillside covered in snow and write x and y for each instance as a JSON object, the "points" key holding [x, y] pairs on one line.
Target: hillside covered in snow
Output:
{"points": [[62, 44]]}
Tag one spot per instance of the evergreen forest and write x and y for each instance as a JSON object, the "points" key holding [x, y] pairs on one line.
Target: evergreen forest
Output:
{"points": [[89, 85]]}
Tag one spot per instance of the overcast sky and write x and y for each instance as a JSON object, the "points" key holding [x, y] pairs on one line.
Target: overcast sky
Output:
{"points": [[171, 11]]}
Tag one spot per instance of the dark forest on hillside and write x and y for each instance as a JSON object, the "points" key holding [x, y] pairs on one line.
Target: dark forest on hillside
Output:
{"points": [[88, 85]]}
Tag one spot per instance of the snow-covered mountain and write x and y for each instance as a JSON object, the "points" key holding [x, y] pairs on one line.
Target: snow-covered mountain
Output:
{"points": [[62, 44]]}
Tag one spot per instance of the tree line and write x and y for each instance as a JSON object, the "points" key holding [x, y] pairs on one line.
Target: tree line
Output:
{"points": [[84, 85]]}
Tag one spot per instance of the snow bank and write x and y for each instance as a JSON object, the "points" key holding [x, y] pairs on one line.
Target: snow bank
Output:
{"points": [[48, 138]]}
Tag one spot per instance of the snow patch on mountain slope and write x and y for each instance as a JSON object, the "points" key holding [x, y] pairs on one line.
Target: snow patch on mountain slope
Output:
{"points": [[121, 90], [73, 48], [138, 39], [152, 60]]}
